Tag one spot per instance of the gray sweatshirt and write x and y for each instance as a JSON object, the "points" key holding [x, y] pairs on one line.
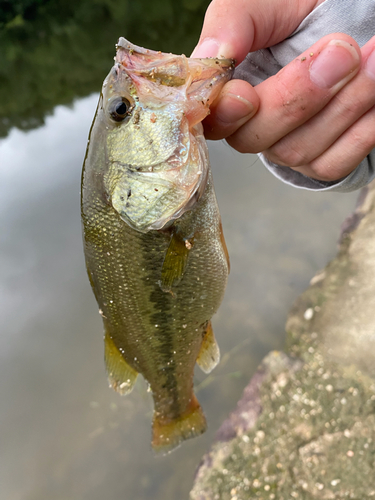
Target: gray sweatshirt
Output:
{"points": [[353, 17]]}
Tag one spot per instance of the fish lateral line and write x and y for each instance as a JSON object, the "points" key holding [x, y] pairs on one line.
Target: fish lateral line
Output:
{"points": [[154, 248]]}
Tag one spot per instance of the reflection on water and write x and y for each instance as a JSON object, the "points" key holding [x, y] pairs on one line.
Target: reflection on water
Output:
{"points": [[64, 433], [53, 51]]}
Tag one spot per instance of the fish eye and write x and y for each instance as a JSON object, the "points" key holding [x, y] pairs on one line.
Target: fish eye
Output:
{"points": [[119, 109]]}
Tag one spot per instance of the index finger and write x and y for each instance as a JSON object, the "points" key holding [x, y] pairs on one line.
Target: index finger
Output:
{"points": [[298, 92]]}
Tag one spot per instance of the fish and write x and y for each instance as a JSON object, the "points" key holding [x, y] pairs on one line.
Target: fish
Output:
{"points": [[155, 252]]}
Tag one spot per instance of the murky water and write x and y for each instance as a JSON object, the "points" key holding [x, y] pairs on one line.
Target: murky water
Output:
{"points": [[64, 433]]}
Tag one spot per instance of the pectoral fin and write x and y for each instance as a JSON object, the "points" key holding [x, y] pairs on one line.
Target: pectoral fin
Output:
{"points": [[224, 245], [209, 354], [175, 261], [121, 376]]}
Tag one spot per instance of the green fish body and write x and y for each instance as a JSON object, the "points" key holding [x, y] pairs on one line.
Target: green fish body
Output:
{"points": [[154, 247]]}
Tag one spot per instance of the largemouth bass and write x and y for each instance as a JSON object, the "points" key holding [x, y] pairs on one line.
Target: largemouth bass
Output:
{"points": [[154, 247]]}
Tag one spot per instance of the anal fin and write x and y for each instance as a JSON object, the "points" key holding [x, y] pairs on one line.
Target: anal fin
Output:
{"points": [[121, 376], [175, 261], [168, 435], [209, 354]]}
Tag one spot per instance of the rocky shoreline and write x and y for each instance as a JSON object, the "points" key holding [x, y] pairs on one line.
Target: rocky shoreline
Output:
{"points": [[305, 426]]}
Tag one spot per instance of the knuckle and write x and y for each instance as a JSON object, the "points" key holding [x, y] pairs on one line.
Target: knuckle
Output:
{"points": [[239, 145], [244, 143], [325, 171], [293, 107], [363, 143], [348, 107], [288, 155]]}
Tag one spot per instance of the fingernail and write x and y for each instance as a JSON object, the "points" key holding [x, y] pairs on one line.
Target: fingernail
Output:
{"points": [[210, 47], [370, 65], [335, 64], [232, 108]]}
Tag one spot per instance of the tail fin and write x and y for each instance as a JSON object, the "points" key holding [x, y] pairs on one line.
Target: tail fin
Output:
{"points": [[167, 436]]}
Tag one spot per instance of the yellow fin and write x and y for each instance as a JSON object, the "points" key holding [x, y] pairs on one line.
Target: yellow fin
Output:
{"points": [[121, 376], [169, 435], [209, 354], [224, 245], [175, 261]]}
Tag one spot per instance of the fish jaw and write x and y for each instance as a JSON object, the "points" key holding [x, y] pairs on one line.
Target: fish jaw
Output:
{"points": [[166, 77], [155, 330], [156, 155]]}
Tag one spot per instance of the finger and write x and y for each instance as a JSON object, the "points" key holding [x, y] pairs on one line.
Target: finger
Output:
{"points": [[346, 153], [298, 92], [234, 28], [355, 99], [236, 104]]}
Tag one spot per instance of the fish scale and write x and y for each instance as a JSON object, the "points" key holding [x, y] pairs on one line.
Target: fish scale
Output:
{"points": [[156, 289]]}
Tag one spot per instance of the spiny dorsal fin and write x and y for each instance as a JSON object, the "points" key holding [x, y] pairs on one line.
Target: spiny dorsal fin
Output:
{"points": [[121, 376], [209, 354]]}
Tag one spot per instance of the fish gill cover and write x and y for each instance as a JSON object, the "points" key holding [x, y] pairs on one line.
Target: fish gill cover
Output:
{"points": [[154, 247]]}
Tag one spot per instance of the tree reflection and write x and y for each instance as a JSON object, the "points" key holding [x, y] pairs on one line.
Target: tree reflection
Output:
{"points": [[53, 51]]}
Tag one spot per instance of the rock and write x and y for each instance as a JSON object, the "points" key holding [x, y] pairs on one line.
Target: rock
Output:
{"points": [[305, 426]]}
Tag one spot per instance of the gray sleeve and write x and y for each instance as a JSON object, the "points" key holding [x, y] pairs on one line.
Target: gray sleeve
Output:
{"points": [[353, 17]]}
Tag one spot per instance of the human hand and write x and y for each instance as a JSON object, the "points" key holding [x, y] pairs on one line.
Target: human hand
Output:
{"points": [[316, 115]]}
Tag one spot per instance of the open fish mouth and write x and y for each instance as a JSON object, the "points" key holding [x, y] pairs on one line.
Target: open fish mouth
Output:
{"points": [[154, 246], [128, 54], [159, 76], [164, 163]]}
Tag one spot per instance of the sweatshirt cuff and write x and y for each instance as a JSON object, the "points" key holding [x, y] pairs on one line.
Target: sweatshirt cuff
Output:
{"points": [[362, 175]]}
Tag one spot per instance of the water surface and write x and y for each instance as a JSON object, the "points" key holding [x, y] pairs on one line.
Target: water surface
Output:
{"points": [[64, 433]]}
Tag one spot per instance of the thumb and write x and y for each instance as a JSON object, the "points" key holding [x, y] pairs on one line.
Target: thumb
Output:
{"points": [[232, 28]]}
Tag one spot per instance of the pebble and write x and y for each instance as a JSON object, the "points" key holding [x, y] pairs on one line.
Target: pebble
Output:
{"points": [[309, 313]]}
